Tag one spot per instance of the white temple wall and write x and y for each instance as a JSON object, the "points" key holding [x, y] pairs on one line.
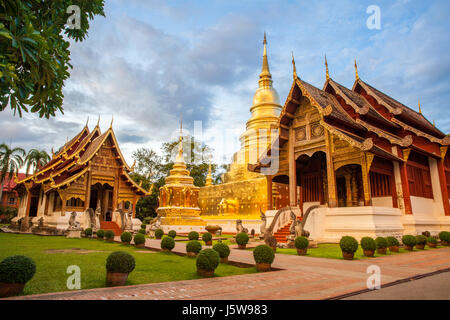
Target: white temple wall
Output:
{"points": [[382, 202]]}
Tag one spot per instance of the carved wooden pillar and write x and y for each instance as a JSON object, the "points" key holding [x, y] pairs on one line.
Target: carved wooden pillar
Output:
{"points": [[331, 176], [134, 206], [63, 202], [115, 193], [366, 163], [47, 200], [348, 189], [292, 170], [87, 202], [269, 193], [27, 211], [405, 183], [443, 181]]}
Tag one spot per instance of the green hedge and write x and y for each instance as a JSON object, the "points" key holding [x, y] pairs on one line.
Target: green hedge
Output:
{"points": [[263, 254], [208, 259], [120, 262], [167, 243], [381, 243], [100, 233], [432, 240], [348, 244], [444, 236], [159, 233], [17, 269], [126, 237], [409, 240], [88, 232], [109, 234], [207, 236], [392, 242], [421, 239], [368, 244], [139, 238], [172, 234], [222, 249], [242, 239], [193, 235], [193, 246], [301, 243]]}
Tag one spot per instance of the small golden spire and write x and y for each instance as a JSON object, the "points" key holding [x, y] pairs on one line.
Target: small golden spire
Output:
{"points": [[326, 67], [87, 122], [112, 121], [209, 176], [132, 167], [356, 71], [293, 65], [53, 152], [434, 123], [420, 109], [98, 121]]}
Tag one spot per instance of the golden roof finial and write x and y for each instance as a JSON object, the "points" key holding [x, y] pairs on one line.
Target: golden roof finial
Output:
{"points": [[293, 65], [150, 190], [420, 109], [434, 123], [265, 72], [112, 121], [87, 122], [16, 180], [356, 71], [53, 152], [326, 67], [132, 167]]}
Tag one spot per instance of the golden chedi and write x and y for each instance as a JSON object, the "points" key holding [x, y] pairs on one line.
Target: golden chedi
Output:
{"points": [[178, 198], [243, 193]]}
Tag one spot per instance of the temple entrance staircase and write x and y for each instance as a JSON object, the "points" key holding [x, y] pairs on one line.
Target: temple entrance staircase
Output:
{"points": [[109, 225]]}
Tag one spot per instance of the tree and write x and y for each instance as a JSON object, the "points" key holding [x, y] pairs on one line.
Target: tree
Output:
{"points": [[34, 51], [36, 159], [10, 162]]}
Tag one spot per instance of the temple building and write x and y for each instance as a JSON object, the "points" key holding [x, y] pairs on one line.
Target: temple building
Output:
{"points": [[243, 194], [89, 171], [372, 165]]}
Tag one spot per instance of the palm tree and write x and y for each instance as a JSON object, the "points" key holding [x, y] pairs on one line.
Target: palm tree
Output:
{"points": [[11, 160], [36, 159]]}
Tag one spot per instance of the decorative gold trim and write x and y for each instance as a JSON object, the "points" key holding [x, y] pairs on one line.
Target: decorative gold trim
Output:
{"points": [[406, 153], [444, 151], [418, 132]]}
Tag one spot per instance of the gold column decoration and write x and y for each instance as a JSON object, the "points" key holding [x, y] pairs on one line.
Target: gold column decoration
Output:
{"points": [[444, 152], [366, 163], [331, 177], [406, 153]]}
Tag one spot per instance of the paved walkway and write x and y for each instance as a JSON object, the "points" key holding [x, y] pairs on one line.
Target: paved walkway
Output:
{"points": [[300, 278]]}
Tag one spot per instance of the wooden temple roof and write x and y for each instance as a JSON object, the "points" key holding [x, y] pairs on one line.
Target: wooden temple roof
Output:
{"points": [[72, 161], [352, 116]]}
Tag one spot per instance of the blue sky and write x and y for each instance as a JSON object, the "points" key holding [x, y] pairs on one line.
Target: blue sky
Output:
{"points": [[150, 61]]}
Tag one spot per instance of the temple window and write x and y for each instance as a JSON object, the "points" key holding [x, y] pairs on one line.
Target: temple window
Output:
{"points": [[75, 202], [419, 177], [380, 185]]}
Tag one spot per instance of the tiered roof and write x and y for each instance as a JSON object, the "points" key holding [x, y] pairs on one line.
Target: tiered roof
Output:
{"points": [[72, 160]]}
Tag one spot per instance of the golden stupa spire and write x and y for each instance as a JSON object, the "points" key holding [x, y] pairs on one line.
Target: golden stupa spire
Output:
{"points": [[356, 71], [265, 78], [326, 67], [180, 158], [420, 109], [293, 66]]}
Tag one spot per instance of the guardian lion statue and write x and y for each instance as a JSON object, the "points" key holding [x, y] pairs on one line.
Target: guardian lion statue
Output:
{"points": [[239, 227]]}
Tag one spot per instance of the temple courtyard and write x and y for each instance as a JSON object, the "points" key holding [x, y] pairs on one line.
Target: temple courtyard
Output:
{"points": [[160, 275]]}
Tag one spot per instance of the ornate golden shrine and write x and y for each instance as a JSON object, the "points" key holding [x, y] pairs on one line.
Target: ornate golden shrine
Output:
{"points": [[178, 198]]}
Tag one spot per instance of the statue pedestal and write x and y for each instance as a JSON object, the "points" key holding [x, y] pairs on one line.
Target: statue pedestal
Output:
{"points": [[73, 234]]}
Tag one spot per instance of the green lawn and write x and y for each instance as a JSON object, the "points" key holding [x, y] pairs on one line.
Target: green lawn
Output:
{"points": [[51, 273], [333, 251]]}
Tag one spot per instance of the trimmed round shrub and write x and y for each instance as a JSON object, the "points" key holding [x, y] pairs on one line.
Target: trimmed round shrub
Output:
{"points": [[88, 232], [193, 246], [392, 242], [409, 240], [126, 237], [432, 240], [421, 239], [271, 241], [120, 262], [242, 239], [444, 236], [368, 244], [143, 226], [348, 244], [167, 243], [208, 259], [159, 233], [207, 237], [381, 243], [301, 243], [193, 235], [17, 269], [109, 234], [139, 238], [172, 234], [100, 233], [222, 249], [263, 254], [142, 231]]}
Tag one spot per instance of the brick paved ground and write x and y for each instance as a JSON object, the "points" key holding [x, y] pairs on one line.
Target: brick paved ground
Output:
{"points": [[301, 278]]}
